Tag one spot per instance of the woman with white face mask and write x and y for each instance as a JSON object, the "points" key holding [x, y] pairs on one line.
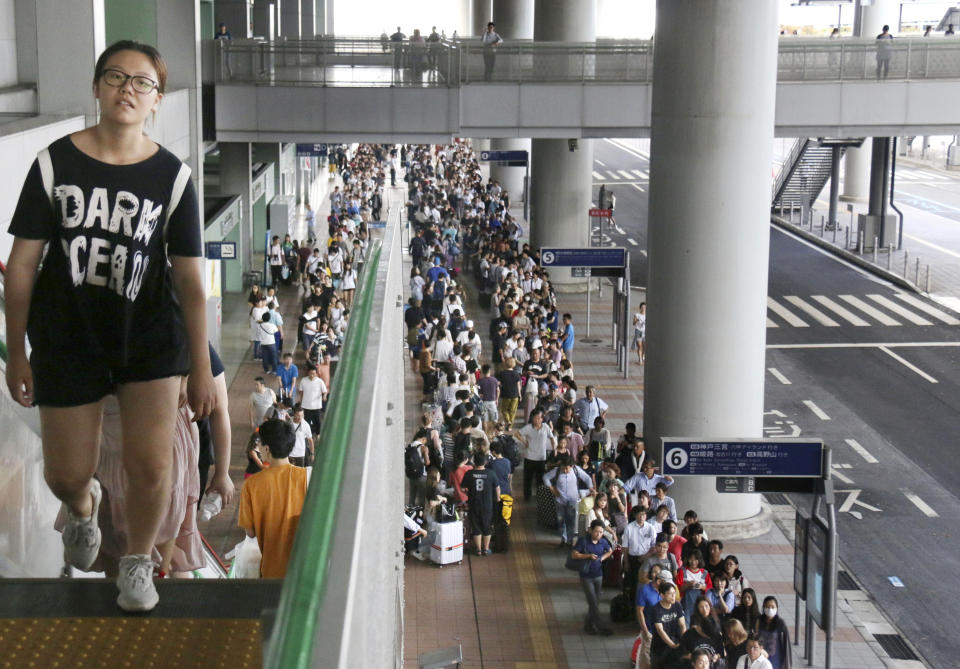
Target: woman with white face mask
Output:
{"points": [[774, 635]]}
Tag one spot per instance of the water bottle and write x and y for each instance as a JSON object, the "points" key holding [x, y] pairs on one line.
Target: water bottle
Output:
{"points": [[210, 506]]}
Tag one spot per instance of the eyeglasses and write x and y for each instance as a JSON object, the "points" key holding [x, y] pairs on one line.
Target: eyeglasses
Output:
{"points": [[118, 79]]}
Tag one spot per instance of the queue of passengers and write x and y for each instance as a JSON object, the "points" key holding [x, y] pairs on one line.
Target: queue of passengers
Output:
{"points": [[693, 605], [288, 401]]}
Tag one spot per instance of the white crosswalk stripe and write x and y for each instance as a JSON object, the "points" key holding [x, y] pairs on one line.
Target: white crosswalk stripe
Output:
{"points": [[785, 313], [840, 311], [897, 309], [642, 174], [614, 175], [597, 176], [625, 174], [923, 306], [811, 311], [871, 310]]}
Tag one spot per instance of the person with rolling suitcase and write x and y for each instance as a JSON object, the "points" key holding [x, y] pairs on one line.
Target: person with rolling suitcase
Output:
{"points": [[447, 546]]}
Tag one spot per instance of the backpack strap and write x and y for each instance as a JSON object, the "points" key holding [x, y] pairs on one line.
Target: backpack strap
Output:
{"points": [[46, 172], [179, 185]]}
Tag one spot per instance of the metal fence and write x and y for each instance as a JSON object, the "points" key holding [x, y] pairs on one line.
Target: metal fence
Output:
{"points": [[374, 62]]}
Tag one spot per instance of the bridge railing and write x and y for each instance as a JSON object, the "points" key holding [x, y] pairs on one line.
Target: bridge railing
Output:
{"points": [[373, 62]]}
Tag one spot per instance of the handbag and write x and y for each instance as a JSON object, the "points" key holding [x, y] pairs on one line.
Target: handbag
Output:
{"points": [[574, 564], [585, 505]]}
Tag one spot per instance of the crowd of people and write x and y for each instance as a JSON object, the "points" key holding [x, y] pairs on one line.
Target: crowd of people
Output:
{"points": [[510, 398], [288, 402]]}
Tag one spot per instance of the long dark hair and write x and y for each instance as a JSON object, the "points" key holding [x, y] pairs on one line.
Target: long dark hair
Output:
{"points": [[772, 623], [749, 615]]}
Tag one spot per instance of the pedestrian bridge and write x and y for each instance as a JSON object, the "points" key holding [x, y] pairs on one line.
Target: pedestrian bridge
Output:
{"points": [[337, 89]]}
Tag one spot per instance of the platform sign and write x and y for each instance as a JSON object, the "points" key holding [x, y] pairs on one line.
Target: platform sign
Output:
{"points": [[601, 213], [505, 158], [311, 150], [736, 484], [794, 458], [612, 256], [221, 250], [579, 272]]}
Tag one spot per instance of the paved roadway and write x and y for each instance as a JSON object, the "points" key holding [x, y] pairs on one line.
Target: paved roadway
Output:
{"points": [[875, 372]]}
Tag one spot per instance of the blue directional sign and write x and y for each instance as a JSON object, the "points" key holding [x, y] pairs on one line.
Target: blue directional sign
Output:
{"points": [[613, 256], [222, 250], [516, 158], [314, 150], [795, 458]]}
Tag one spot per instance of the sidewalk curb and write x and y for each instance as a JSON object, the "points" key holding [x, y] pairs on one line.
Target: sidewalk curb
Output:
{"points": [[846, 255]]}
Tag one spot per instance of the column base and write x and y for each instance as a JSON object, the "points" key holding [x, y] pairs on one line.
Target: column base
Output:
{"points": [[852, 198], [747, 528]]}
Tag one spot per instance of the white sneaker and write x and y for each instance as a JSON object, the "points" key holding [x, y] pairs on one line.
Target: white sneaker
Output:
{"points": [[137, 592], [81, 536]]}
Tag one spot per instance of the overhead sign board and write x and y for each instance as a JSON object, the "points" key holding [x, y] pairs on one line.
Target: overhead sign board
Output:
{"points": [[613, 256], [579, 272], [601, 213], [512, 158], [795, 458], [311, 150]]}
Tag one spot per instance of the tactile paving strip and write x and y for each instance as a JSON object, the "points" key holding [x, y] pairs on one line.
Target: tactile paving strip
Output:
{"points": [[135, 642]]}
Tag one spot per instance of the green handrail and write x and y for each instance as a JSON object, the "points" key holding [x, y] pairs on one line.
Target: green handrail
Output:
{"points": [[291, 640]]}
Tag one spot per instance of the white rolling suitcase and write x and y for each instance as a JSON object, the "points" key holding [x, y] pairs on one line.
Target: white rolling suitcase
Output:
{"points": [[447, 546]]}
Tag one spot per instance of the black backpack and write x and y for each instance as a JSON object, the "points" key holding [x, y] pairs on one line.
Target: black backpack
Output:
{"points": [[413, 461], [620, 608], [509, 449]]}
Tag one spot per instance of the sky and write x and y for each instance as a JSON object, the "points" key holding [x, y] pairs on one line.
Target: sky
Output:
{"points": [[622, 19]]}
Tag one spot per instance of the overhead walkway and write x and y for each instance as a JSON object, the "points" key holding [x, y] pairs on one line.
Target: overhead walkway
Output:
{"points": [[334, 89]]}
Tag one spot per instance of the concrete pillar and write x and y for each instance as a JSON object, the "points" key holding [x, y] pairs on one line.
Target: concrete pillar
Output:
{"points": [[514, 19], [178, 39], [320, 17], [289, 11], [269, 152], [481, 13], [67, 58], [561, 180], [234, 179], [711, 141], [308, 19], [856, 169], [236, 14]]}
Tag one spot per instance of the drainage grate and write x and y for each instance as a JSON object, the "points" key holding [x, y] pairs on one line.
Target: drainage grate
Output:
{"points": [[776, 498], [895, 646], [845, 582]]}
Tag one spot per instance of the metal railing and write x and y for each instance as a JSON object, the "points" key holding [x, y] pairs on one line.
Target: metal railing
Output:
{"points": [[372, 62]]}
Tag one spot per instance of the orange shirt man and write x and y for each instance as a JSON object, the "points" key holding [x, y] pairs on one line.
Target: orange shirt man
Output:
{"points": [[271, 500]]}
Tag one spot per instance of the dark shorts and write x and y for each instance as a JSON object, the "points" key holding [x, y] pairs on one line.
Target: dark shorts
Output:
{"points": [[481, 524], [62, 379]]}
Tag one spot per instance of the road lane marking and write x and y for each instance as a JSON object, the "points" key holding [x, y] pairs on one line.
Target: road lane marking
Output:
{"points": [[811, 310], [864, 453], [629, 149], [597, 176], [632, 242], [842, 477], [852, 499], [932, 245], [614, 175], [931, 175], [785, 313], [831, 255], [771, 324], [909, 365], [926, 199], [599, 162], [869, 310], [626, 174], [919, 503], [840, 311], [778, 375], [897, 309], [639, 188], [875, 344], [817, 411], [643, 252], [642, 174], [923, 306]]}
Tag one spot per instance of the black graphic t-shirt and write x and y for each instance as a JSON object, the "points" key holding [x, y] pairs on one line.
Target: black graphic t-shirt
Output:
{"points": [[105, 289]]}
